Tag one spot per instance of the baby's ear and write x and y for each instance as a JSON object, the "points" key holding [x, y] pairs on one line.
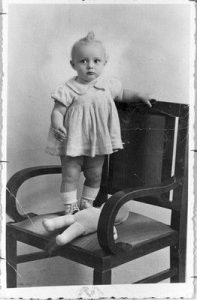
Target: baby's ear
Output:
{"points": [[106, 58], [72, 64]]}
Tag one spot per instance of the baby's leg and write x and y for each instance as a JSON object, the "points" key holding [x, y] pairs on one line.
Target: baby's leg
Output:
{"points": [[71, 168], [92, 172]]}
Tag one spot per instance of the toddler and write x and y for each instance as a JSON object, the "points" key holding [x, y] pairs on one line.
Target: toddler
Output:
{"points": [[85, 124]]}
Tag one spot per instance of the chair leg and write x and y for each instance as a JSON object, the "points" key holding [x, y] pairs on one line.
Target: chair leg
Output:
{"points": [[177, 260], [102, 277], [11, 257]]}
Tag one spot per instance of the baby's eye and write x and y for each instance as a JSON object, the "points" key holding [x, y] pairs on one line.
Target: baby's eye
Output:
{"points": [[84, 61], [97, 60]]}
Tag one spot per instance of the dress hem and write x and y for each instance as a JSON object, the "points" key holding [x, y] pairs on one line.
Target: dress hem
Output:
{"points": [[59, 152]]}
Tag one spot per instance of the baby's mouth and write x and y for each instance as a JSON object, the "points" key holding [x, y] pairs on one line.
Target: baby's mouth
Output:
{"points": [[90, 73]]}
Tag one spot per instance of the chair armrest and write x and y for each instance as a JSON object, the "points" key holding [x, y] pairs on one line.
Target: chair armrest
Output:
{"points": [[113, 204], [17, 180]]}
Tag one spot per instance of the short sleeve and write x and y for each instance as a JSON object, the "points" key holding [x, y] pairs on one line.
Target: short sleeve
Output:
{"points": [[62, 95], [116, 89]]}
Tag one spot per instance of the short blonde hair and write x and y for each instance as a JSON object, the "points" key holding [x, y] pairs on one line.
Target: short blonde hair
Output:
{"points": [[89, 38]]}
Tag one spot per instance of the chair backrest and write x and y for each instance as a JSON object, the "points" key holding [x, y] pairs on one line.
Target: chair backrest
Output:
{"points": [[155, 142]]}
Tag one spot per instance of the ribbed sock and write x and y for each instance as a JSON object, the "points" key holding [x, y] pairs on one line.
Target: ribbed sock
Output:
{"points": [[88, 196]]}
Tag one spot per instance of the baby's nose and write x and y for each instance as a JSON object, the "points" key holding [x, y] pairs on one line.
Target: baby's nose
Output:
{"points": [[90, 64]]}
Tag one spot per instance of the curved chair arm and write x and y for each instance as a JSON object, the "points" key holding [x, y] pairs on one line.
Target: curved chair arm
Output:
{"points": [[17, 180], [113, 204]]}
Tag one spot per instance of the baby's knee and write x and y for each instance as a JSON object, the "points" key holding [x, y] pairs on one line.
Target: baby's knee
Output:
{"points": [[69, 178], [93, 175], [71, 174]]}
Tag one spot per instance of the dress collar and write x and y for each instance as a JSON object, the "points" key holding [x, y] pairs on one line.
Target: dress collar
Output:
{"points": [[79, 88]]}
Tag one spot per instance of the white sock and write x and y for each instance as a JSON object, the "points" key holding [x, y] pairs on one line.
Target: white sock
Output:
{"points": [[88, 196], [70, 201], [69, 197]]}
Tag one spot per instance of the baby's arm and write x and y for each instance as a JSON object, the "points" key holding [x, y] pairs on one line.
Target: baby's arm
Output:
{"points": [[130, 96], [57, 121]]}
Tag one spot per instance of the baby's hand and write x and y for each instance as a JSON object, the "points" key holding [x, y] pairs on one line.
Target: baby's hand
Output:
{"points": [[133, 97], [147, 102], [145, 99], [60, 133]]}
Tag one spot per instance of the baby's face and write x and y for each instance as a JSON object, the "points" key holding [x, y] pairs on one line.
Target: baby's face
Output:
{"points": [[89, 61]]}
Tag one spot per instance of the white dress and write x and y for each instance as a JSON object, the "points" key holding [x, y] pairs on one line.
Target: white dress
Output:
{"points": [[91, 119]]}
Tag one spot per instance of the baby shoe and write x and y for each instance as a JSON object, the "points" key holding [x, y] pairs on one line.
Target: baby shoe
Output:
{"points": [[85, 203], [71, 208]]}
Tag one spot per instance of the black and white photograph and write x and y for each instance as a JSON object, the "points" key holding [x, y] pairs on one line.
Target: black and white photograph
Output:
{"points": [[97, 149]]}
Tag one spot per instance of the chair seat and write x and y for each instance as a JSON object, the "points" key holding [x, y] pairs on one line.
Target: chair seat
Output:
{"points": [[136, 230]]}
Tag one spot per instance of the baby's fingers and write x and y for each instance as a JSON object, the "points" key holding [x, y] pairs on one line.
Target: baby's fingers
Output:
{"points": [[59, 134], [147, 102]]}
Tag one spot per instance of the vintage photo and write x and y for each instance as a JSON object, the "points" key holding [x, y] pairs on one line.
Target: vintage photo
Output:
{"points": [[98, 104]]}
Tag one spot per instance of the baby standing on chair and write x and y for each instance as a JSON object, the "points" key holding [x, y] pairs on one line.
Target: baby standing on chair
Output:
{"points": [[85, 124]]}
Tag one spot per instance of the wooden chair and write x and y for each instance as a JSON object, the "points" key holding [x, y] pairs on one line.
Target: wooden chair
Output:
{"points": [[151, 169]]}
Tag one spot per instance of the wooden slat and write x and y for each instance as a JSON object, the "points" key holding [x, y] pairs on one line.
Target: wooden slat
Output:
{"points": [[158, 276], [32, 256]]}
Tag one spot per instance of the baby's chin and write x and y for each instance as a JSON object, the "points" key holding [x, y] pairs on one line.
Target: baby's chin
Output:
{"points": [[89, 78], [91, 75]]}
